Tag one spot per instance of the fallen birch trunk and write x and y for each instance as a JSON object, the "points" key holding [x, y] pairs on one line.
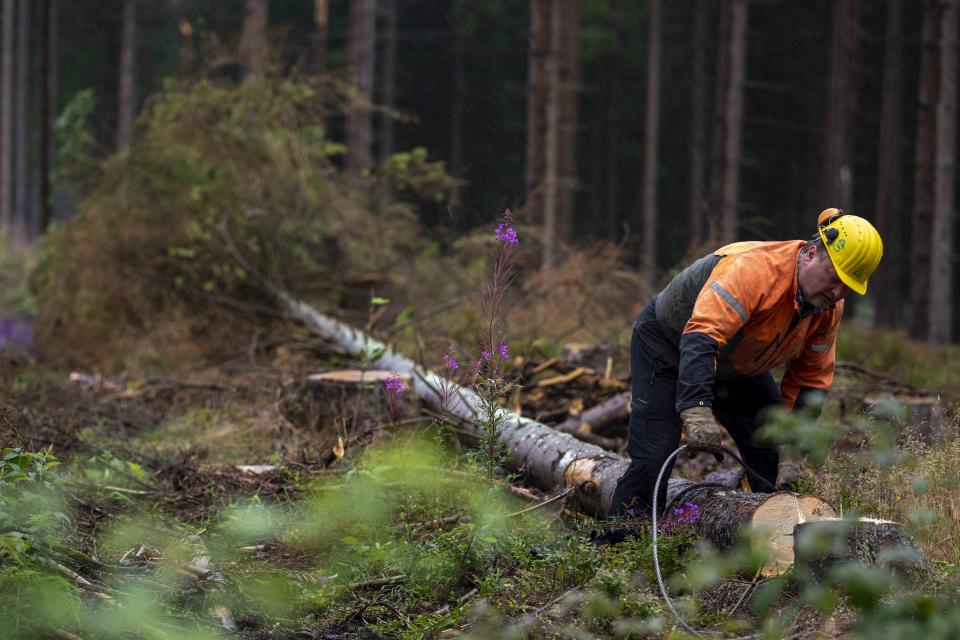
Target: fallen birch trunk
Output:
{"points": [[548, 458], [552, 459]]}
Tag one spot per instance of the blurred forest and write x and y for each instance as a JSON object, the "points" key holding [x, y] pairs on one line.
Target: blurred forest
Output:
{"points": [[315, 316], [666, 128]]}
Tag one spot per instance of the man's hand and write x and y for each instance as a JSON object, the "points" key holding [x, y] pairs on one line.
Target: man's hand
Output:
{"points": [[703, 431], [788, 468]]}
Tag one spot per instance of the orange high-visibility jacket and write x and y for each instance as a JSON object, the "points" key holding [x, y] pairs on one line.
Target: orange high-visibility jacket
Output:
{"points": [[738, 312]]}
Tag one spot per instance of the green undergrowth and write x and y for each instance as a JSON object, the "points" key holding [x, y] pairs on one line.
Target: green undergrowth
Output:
{"points": [[900, 358]]}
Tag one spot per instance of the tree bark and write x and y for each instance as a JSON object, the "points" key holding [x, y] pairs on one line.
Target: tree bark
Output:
{"points": [[552, 93], [885, 284], [941, 267], [650, 160], [568, 125], [823, 544], [724, 513], [697, 122], [457, 106], [21, 182], [6, 120], [321, 18], [388, 78], [253, 39], [925, 174], [46, 123], [836, 172], [731, 68], [128, 64], [361, 55]]}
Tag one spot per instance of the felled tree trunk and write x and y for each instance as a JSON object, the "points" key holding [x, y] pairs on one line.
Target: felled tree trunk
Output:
{"points": [[724, 513], [551, 459]]}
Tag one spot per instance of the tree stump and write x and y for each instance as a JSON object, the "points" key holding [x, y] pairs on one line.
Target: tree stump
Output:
{"points": [[918, 416], [349, 398], [829, 542]]}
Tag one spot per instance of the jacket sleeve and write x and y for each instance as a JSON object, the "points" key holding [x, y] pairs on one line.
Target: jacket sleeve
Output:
{"points": [[723, 306], [813, 367]]}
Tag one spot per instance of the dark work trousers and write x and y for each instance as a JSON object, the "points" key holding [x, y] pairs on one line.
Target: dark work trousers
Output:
{"points": [[655, 426]]}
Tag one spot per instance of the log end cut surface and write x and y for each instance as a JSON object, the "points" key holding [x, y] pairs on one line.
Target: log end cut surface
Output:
{"points": [[776, 519]]}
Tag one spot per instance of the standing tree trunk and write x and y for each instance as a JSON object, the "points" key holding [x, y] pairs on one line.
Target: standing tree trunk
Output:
{"points": [[457, 104], [551, 181], [361, 53], [941, 267], [46, 124], [697, 121], [21, 187], [6, 120], [553, 69], [731, 68], [925, 177], [253, 39], [885, 283], [389, 79], [569, 100], [836, 188], [128, 62], [321, 18], [650, 160]]}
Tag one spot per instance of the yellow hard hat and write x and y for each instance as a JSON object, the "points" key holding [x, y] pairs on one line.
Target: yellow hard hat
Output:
{"points": [[853, 244]]}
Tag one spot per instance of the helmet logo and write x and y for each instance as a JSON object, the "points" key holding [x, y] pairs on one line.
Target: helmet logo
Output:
{"points": [[839, 245]]}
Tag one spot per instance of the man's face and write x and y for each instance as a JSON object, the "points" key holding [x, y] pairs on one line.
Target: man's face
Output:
{"points": [[819, 282]]}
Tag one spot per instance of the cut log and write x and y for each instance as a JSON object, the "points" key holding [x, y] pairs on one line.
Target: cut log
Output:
{"points": [[550, 459], [829, 542], [725, 513], [350, 398], [599, 416]]}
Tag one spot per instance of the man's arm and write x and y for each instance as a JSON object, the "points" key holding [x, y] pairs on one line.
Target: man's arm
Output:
{"points": [[810, 374], [721, 310]]}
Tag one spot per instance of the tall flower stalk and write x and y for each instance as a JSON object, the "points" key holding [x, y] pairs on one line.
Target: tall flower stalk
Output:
{"points": [[491, 385]]}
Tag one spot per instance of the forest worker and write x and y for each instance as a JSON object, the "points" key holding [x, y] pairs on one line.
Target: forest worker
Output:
{"points": [[703, 348]]}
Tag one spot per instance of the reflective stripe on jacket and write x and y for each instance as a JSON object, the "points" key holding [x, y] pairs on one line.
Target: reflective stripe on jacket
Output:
{"points": [[737, 313]]}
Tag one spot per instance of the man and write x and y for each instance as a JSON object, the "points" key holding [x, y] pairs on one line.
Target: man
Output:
{"points": [[703, 348]]}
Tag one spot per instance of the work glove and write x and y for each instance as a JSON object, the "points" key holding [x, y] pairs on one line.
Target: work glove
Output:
{"points": [[788, 468], [703, 431]]}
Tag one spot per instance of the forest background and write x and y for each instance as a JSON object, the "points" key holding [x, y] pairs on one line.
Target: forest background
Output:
{"points": [[175, 175], [667, 128]]}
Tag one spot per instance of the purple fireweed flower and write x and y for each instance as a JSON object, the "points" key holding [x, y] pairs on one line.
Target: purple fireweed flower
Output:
{"points": [[506, 234], [504, 351], [451, 361], [394, 384]]}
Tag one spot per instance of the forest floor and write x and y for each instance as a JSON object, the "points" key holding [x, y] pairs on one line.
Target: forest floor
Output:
{"points": [[199, 510]]}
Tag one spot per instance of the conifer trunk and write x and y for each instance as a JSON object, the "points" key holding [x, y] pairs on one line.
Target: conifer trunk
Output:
{"points": [[731, 69], [128, 61], [361, 55], [650, 159], [924, 204], [6, 120], [253, 39], [941, 285], [884, 282]]}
